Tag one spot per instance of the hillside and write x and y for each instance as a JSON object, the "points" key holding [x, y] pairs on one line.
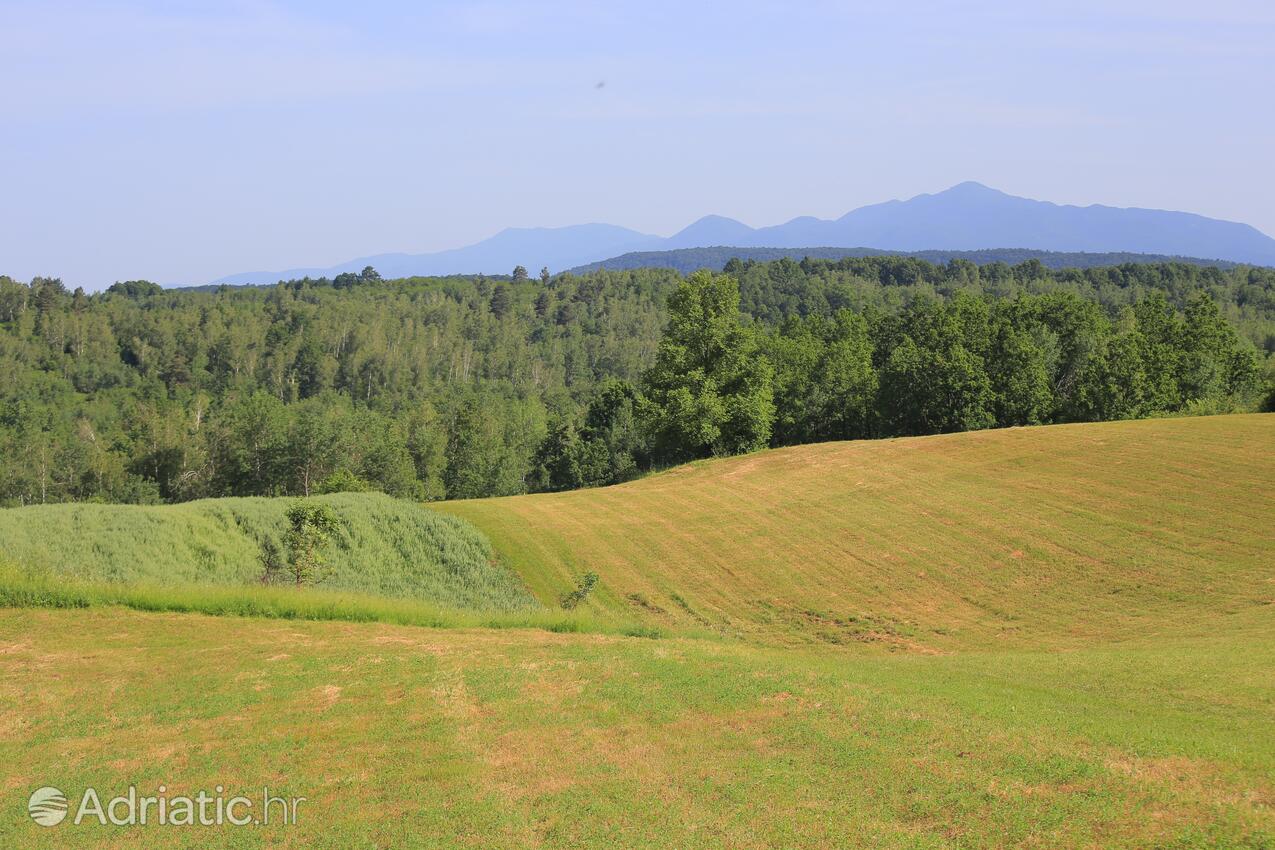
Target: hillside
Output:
{"points": [[433, 388], [1048, 536], [898, 684], [386, 547]]}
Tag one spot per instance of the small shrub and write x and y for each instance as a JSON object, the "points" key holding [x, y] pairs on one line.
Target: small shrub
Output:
{"points": [[272, 561], [344, 481], [570, 600], [312, 524], [648, 632]]}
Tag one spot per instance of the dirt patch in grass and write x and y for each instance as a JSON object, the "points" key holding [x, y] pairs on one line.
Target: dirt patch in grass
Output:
{"points": [[839, 630], [1194, 776]]}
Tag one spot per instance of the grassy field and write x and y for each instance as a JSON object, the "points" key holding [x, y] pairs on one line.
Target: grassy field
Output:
{"points": [[1052, 637], [1057, 536], [385, 547], [406, 738], [20, 588]]}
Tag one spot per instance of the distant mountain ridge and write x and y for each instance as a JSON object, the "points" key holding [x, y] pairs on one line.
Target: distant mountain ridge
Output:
{"points": [[687, 260], [966, 217], [533, 247]]}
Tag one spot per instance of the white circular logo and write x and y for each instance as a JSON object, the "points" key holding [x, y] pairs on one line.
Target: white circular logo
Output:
{"points": [[47, 806]]}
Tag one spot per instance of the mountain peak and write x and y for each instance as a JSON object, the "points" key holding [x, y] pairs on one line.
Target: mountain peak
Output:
{"points": [[710, 230], [971, 188], [715, 220], [712, 221]]}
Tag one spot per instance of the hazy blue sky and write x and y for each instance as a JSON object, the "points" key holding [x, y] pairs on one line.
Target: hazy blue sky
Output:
{"points": [[180, 141]]}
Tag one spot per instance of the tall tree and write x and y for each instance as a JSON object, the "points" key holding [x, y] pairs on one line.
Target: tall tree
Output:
{"points": [[709, 392], [500, 301]]}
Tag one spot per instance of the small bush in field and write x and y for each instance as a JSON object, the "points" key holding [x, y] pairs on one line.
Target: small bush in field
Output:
{"points": [[575, 597], [272, 561], [311, 525]]}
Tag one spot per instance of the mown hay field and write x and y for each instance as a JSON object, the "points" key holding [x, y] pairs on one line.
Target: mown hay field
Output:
{"points": [[1028, 537]]}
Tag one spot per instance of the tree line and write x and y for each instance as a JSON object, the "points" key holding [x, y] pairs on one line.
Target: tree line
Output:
{"points": [[722, 384], [462, 387]]}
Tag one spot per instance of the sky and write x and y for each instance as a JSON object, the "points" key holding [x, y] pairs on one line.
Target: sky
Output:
{"points": [[182, 141]]}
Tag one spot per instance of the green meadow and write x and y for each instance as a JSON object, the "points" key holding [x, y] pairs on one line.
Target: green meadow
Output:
{"points": [[1042, 637], [404, 737]]}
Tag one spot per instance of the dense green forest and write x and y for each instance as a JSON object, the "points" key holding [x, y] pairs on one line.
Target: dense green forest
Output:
{"points": [[462, 387], [687, 260]]}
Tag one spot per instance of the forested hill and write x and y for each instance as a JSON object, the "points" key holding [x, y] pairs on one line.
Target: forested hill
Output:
{"points": [[687, 260], [473, 386]]}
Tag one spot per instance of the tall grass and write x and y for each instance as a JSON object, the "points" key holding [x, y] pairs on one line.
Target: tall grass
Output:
{"points": [[385, 547], [27, 589]]}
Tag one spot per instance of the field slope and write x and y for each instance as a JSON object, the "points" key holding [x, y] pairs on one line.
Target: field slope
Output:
{"points": [[1080, 621], [384, 547], [1032, 537]]}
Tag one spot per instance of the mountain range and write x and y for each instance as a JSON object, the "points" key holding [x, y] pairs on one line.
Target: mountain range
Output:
{"points": [[966, 217]]}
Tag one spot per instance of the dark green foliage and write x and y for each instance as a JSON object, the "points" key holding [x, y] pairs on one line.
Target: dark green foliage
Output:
{"points": [[687, 260], [543, 302], [272, 561], [348, 280], [344, 481], [310, 526], [611, 423], [500, 301], [135, 288], [606, 450], [574, 597], [710, 390], [934, 390], [565, 461], [825, 384], [465, 387], [489, 447]]}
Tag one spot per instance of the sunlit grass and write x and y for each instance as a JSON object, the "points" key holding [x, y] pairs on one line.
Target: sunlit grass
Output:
{"points": [[408, 737], [384, 547], [1051, 637], [1050, 536], [26, 589]]}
